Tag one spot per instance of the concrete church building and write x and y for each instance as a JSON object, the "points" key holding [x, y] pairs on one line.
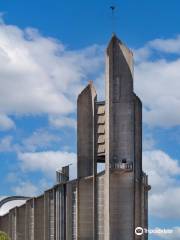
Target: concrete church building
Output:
{"points": [[106, 205]]}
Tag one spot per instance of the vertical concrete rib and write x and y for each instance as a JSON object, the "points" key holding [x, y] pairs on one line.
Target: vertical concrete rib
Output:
{"points": [[21, 222], [85, 131], [138, 163], [87, 154], [30, 233], [39, 217]]}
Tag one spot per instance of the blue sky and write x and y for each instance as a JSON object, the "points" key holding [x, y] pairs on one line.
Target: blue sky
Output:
{"points": [[49, 50]]}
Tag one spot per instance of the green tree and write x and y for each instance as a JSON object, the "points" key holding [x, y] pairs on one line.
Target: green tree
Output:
{"points": [[4, 236]]}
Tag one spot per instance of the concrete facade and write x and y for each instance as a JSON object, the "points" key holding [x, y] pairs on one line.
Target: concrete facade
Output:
{"points": [[105, 205]]}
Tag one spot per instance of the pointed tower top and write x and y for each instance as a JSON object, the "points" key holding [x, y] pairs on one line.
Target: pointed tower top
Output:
{"points": [[115, 39], [90, 88], [116, 45]]}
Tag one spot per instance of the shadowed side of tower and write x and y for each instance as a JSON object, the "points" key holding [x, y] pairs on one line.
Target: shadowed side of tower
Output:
{"points": [[86, 105]]}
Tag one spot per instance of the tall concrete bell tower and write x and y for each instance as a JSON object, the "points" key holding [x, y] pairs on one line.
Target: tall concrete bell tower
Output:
{"points": [[125, 183], [110, 132]]}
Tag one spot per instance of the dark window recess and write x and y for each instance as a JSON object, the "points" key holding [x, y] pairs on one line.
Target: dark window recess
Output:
{"points": [[124, 160]]}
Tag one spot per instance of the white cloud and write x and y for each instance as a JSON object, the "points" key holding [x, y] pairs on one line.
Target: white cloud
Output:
{"points": [[166, 45], [39, 75], [162, 171], [6, 123], [148, 143], [12, 177], [47, 162], [6, 144], [39, 139], [27, 188], [161, 162], [141, 54], [60, 121], [157, 84], [157, 80], [171, 46], [165, 204]]}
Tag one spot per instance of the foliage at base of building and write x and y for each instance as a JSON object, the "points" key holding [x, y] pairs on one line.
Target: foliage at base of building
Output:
{"points": [[4, 236]]}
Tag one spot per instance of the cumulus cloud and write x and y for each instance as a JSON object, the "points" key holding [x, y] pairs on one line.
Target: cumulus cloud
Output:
{"points": [[6, 144], [47, 162], [39, 74], [171, 45], [39, 139], [27, 188], [161, 162], [165, 204], [6, 123], [157, 84], [157, 80], [148, 142], [60, 121], [166, 45], [163, 172], [141, 54]]}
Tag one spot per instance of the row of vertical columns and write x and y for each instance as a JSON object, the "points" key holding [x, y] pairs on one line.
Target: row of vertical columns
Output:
{"points": [[52, 216]]}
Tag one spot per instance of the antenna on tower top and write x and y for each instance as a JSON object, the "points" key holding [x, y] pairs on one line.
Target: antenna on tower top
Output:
{"points": [[113, 9]]}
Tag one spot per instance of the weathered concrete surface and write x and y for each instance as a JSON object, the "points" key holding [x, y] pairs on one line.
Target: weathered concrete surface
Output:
{"points": [[30, 223], [100, 207], [119, 103], [121, 205], [86, 109], [119, 141], [71, 211], [39, 218], [61, 212], [4, 223], [13, 234], [85, 209], [21, 227]]}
